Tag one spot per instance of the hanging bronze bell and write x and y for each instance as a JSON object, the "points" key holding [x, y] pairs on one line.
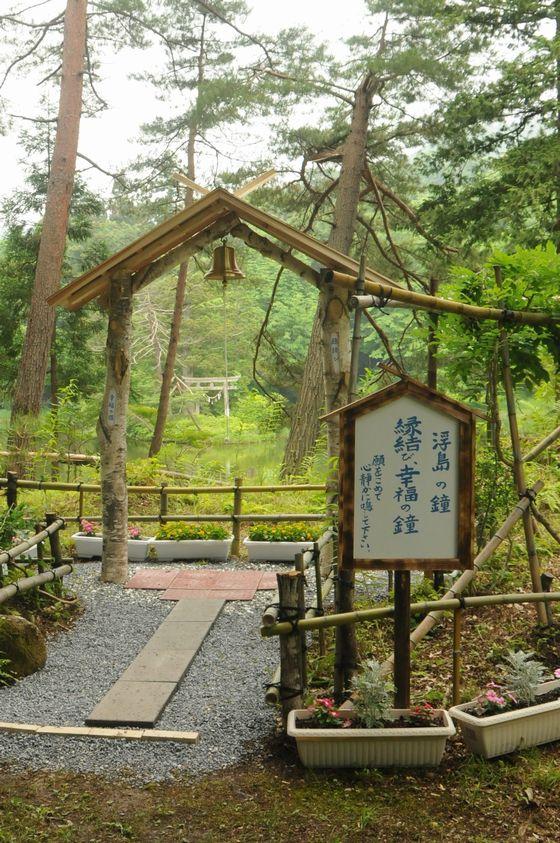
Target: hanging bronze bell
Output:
{"points": [[224, 266]]}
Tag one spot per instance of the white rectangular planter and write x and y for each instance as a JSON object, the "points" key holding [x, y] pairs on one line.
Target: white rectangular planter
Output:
{"points": [[138, 549], [510, 730], [165, 550], [87, 546], [275, 551], [417, 746]]}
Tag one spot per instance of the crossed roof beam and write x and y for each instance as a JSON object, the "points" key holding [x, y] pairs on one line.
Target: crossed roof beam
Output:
{"points": [[219, 213]]}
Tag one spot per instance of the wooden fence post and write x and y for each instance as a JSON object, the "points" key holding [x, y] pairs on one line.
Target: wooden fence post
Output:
{"points": [[458, 615], [40, 563], [237, 509], [402, 639], [11, 488], [319, 597], [290, 586], [163, 503], [546, 582], [54, 541]]}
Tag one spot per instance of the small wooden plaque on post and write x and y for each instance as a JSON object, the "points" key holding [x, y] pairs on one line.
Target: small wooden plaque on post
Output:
{"points": [[406, 493]]}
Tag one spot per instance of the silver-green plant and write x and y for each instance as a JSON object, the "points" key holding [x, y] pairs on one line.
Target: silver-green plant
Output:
{"points": [[522, 675], [372, 695]]}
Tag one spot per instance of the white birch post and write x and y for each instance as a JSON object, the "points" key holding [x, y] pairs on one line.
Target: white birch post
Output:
{"points": [[111, 430]]}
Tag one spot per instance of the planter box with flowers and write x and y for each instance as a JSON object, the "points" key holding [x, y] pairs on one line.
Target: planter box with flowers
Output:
{"points": [[520, 712], [280, 543], [180, 540], [372, 734], [89, 544]]}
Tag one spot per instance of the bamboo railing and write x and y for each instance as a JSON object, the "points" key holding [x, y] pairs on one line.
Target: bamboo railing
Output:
{"points": [[12, 484], [58, 569]]}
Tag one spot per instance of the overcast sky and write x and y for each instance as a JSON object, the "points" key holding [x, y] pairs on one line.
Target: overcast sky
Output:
{"points": [[110, 138]]}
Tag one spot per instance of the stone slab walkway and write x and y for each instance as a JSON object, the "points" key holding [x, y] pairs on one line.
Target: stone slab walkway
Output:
{"points": [[140, 695], [204, 584]]}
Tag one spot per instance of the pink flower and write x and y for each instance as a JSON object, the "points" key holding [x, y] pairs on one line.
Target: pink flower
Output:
{"points": [[493, 697], [557, 673]]}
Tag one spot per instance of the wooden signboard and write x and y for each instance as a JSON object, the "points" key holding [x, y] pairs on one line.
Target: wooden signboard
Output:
{"points": [[406, 481]]}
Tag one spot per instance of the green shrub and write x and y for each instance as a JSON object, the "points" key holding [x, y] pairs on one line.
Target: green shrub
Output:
{"points": [[373, 694], [285, 533], [181, 531], [13, 521]]}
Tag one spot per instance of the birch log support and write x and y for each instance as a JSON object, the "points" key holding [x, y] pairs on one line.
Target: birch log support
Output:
{"points": [[290, 586], [434, 617], [518, 468], [111, 430]]}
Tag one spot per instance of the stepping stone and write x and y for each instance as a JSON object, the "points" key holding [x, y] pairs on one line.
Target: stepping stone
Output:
{"points": [[236, 579], [204, 594], [182, 636], [152, 578], [195, 579], [268, 581], [195, 610], [142, 692], [153, 665], [132, 704]]}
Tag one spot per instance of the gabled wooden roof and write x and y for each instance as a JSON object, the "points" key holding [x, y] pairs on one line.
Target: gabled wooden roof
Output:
{"points": [[184, 225]]}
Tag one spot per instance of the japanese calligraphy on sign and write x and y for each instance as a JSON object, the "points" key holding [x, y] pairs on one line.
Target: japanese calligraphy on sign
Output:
{"points": [[406, 496]]}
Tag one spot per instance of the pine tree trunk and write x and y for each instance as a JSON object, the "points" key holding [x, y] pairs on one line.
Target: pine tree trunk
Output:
{"points": [[336, 348], [305, 426], [111, 431], [35, 356], [312, 399], [169, 368]]}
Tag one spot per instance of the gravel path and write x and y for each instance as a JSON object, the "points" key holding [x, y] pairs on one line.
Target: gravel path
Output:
{"points": [[221, 696]]}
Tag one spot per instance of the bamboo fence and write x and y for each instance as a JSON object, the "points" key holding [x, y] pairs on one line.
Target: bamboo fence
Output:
{"points": [[12, 484]]}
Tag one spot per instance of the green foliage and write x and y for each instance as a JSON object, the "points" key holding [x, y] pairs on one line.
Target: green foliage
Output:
{"points": [[299, 532], [181, 531], [13, 521], [6, 675], [265, 413], [522, 674], [145, 472], [373, 694]]}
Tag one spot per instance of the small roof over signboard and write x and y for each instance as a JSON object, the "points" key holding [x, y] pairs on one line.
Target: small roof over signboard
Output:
{"points": [[414, 388]]}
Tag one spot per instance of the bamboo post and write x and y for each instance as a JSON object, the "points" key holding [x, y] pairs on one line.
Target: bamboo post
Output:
{"points": [[80, 504], [319, 595], [518, 469], [11, 488], [458, 615], [54, 541], [432, 372], [237, 510], [40, 564], [300, 568], [546, 583], [163, 502], [402, 639], [291, 679]]}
